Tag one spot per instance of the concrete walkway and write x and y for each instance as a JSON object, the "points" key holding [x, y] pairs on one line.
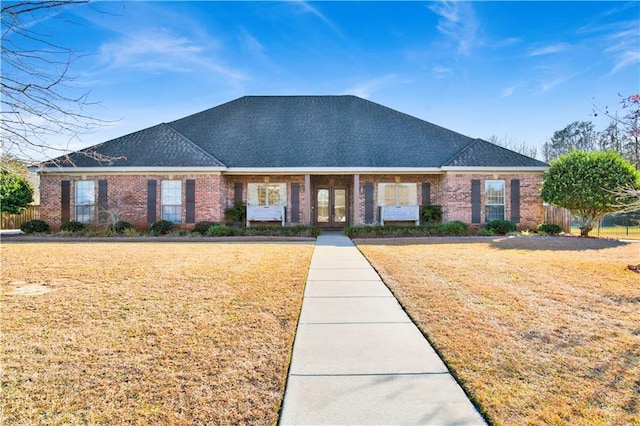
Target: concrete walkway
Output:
{"points": [[358, 358]]}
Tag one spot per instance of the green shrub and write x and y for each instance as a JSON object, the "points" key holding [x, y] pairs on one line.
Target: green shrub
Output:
{"points": [[501, 227], [161, 227], [35, 226], [120, 226], [221, 231], [549, 229], [431, 213], [393, 231], [236, 213], [202, 227], [72, 226], [178, 233], [130, 232], [455, 228], [484, 232]]}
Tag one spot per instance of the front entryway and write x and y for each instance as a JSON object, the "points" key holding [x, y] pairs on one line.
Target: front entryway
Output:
{"points": [[331, 207]]}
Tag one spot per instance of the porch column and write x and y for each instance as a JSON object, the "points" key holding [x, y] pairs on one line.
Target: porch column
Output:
{"points": [[355, 221], [307, 199]]}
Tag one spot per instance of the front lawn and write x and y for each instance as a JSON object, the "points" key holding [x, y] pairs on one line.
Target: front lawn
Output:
{"points": [[539, 330], [148, 333]]}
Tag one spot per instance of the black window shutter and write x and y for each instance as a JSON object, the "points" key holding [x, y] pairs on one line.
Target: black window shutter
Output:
{"points": [[426, 193], [368, 202], [237, 192], [102, 200], [295, 202], [151, 200], [65, 200], [475, 201], [515, 200], [190, 191]]}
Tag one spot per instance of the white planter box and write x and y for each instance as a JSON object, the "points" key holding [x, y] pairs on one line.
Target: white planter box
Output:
{"points": [[399, 213], [265, 214]]}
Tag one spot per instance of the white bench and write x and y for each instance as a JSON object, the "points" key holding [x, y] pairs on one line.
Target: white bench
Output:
{"points": [[265, 214], [400, 214]]}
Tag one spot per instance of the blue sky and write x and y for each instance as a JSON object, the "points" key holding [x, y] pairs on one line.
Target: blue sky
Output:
{"points": [[519, 70]]}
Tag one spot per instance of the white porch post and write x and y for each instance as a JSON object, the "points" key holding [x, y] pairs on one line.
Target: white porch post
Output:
{"points": [[355, 212], [307, 200]]}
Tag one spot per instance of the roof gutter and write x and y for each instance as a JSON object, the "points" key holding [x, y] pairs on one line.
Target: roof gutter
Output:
{"points": [[129, 170], [486, 169], [330, 170]]}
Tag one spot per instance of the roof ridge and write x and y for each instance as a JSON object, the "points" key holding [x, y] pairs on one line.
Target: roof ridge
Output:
{"points": [[462, 150], [193, 144]]}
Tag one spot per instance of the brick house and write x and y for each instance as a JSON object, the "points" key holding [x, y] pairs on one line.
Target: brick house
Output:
{"points": [[329, 161]]}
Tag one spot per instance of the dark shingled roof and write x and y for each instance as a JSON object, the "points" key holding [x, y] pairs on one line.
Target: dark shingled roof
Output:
{"points": [[481, 153], [160, 146], [303, 131]]}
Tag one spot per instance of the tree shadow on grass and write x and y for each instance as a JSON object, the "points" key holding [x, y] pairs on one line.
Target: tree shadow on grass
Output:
{"points": [[507, 243], [556, 243]]}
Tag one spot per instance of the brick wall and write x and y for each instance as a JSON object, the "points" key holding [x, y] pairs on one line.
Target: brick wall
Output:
{"points": [[215, 192], [231, 180], [127, 194], [434, 180], [456, 190]]}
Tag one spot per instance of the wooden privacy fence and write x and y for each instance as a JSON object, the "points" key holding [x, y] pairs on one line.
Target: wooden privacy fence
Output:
{"points": [[559, 216], [13, 221]]}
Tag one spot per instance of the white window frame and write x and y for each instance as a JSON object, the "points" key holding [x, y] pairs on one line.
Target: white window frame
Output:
{"points": [[171, 200], [254, 196], [492, 201], [395, 187], [85, 201]]}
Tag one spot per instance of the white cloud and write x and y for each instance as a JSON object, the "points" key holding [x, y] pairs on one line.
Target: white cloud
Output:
{"points": [[623, 47], [251, 44], [308, 8], [548, 50], [440, 71], [508, 91], [161, 51], [367, 88], [458, 22], [554, 82]]}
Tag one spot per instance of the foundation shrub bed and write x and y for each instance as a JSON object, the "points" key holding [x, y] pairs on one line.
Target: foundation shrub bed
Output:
{"points": [[121, 225], [202, 227], [264, 231], [549, 229], [500, 227], [35, 226], [162, 227], [72, 226], [445, 229]]}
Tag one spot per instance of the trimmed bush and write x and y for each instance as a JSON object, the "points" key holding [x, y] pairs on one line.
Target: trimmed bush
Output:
{"points": [[431, 213], [549, 229], [161, 227], [35, 226], [72, 226], [455, 228], [121, 226], [484, 232], [202, 227], [501, 227], [221, 231]]}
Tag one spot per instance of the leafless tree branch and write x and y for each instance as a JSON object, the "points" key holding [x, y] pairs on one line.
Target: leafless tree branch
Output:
{"points": [[39, 101]]}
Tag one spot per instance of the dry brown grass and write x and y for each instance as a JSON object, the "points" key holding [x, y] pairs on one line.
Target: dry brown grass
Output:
{"points": [[538, 330], [148, 333]]}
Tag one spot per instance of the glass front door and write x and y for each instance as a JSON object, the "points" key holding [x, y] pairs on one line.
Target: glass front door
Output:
{"points": [[331, 207]]}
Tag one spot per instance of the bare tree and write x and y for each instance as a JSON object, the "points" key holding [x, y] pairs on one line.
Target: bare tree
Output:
{"points": [[509, 143], [39, 101], [628, 137]]}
